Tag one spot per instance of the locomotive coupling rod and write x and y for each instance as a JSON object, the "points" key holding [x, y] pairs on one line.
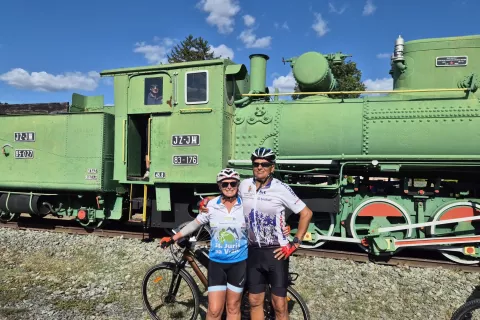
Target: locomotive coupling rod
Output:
{"points": [[426, 224], [434, 241], [339, 239]]}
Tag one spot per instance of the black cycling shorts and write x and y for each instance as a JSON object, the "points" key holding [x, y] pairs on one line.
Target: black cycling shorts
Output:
{"points": [[263, 268], [223, 276]]}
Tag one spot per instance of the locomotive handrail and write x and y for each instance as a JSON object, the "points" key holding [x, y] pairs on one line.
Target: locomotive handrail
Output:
{"points": [[354, 92]]}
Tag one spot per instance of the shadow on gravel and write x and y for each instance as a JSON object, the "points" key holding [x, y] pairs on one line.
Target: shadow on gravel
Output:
{"points": [[475, 294]]}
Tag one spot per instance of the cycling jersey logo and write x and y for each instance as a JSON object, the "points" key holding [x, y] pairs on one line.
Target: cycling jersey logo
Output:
{"points": [[226, 236], [263, 226]]}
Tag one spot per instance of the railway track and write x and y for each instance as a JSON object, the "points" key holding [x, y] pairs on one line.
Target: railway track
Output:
{"points": [[135, 231]]}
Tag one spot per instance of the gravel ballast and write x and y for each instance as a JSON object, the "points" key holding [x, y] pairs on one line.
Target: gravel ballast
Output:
{"points": [[48, 275]]}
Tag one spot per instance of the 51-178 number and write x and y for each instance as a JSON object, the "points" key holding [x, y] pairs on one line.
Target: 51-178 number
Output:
{"points": [[185, 160]]}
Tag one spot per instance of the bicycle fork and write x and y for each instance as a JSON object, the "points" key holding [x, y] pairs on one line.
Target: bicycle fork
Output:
{"points": [[174, 285]]}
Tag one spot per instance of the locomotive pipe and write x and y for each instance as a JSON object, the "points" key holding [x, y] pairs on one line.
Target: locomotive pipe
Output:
{"points": [[22, 203], [258, 76], [258, 71]]}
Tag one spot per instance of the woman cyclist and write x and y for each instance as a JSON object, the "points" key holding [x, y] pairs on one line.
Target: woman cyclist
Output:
{"points": [[228, 246]]}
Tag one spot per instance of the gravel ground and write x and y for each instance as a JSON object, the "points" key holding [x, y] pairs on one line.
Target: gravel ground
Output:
{"points": [[59, 276]]}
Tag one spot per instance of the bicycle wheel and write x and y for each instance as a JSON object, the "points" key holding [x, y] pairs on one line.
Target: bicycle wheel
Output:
{"points": [[176, 299], [466, 311], [298, 313]]}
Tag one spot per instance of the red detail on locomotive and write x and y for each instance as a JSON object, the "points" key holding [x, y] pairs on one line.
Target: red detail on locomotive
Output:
{"points": [[380, 209]]}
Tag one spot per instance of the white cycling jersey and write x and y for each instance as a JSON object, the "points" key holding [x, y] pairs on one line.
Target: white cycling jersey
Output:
{"points": [[229, 237], [265, 211]]}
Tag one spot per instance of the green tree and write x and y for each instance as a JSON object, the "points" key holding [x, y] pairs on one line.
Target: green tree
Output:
{"points": [[191, 49], [348, 79]]}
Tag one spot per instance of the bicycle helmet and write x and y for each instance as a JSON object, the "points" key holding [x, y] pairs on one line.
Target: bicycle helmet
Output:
{"points": [[228, 173], [263, 153]]}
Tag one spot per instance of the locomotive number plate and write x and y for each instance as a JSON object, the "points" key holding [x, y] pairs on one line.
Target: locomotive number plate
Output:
{"points": [[160, 175], [451, 61], [185, 160], [23, 154], [24, 136], [185, 140]]}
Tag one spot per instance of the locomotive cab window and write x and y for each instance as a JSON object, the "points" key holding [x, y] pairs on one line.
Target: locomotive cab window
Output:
{"points": [[196, 87], [153, 91]]}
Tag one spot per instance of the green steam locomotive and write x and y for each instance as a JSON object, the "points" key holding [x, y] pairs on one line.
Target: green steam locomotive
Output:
{"points": [[399, 169]]}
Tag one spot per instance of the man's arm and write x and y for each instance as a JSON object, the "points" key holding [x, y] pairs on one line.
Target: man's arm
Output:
{"points": [[305, 218]]}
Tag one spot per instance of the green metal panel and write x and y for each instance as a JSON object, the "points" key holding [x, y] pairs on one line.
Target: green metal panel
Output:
{"points": [[70, 152], [202, 161], [326, 127], [422, 127], [120, 101], [303, 128], [420, 58], [162, 193]]}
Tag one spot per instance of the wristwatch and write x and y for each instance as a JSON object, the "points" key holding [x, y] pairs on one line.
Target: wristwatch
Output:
{"points": [[296, 240]]}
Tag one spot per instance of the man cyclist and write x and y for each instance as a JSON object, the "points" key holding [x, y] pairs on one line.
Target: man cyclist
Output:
{"points": [[228, 246], [264, 201]]}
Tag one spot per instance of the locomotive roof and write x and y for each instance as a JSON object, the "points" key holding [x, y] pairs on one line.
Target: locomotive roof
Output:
{"points": [[179, 65]]}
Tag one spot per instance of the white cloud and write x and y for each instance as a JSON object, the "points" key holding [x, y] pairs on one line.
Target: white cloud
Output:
{"points": [[369, 8], [251, 41], [155, 53], [333, 9], [248, 20], [43, 81], [384, 55], [320, 25], [283, 26], [223, 51], [108, 81], [221, 13], [379, 84], [284, 83]]}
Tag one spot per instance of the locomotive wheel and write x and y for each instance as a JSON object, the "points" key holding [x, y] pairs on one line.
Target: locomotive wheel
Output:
{"points": [[324, 226], [455, 210], [379, 212], [8, 216]]}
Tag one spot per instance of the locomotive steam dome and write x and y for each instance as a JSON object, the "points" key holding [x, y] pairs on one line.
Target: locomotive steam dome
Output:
{"points": [[312, 72]]}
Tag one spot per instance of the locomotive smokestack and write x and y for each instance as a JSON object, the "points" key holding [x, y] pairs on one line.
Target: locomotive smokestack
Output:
{"points": [[258, 72]]}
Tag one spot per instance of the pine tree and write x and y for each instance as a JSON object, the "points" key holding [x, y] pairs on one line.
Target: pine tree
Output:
{"points": [[191, 49]]}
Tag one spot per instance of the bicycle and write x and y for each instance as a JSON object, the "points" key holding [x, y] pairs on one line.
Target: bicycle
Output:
{"points": [[176, 292], [464, 312]]}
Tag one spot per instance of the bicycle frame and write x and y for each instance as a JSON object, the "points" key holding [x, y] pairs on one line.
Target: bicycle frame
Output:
{"points": [[188, 255]]}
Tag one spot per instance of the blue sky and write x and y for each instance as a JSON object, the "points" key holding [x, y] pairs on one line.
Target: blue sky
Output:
{"points": [[50, 49]]}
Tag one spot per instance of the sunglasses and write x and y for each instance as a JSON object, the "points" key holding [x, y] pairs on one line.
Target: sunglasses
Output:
{"points": [[263, 164], [233, 184]]}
